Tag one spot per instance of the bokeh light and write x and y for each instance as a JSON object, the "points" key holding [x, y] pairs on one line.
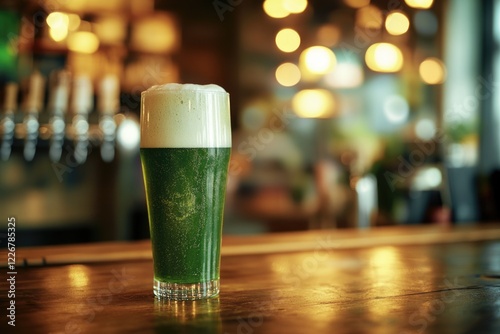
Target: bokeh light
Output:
{"points": [[295, 6], [287, 40], [83, 42], [275, 8], [384, 57], [427, 178], [357, 3], [128, 135], [74, 22], [58, 34], [313, 103], [396, 109], [345, 75], [328, 35], [156, 33], [58, 23], [432, 71], [57, 20], [318, 59], [111, 29], [425, 129], [424, 4], [288, 74], [369, 17], [397, 23]]}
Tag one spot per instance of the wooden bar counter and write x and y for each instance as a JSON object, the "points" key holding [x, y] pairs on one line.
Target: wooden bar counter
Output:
{"points": [[425, 279]]}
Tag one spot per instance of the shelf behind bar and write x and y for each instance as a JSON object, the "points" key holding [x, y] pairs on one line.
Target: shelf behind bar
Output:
{"points": [[261, 244]]}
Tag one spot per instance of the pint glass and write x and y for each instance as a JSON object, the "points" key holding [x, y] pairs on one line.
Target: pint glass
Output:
{"points": [[185, 150]]}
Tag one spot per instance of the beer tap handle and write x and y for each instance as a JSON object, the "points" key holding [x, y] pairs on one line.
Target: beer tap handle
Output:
{"points": [[10, 102], [58, 105], [82, 104], [108, 105], [34, 103], [8, 123]]}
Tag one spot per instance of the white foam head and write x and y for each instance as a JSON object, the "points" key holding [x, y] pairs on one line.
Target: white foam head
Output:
{"points": [[176, 115]]}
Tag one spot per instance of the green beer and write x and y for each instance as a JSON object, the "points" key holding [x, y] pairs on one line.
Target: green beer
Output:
{"points": [[190, 194], [185, 151]]}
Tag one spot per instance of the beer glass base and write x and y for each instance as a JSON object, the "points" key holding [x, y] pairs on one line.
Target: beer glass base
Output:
{"points": [[186, 291]]}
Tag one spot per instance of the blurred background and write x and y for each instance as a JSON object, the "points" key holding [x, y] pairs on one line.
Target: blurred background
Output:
{"points": [[345, 113]]}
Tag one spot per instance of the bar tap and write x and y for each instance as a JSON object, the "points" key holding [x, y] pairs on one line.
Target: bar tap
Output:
{"points": [[108, 106], [33, 105], [8, 122], [82, 104], [58, 105]]}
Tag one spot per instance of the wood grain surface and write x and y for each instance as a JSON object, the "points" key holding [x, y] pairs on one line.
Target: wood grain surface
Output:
{"points": [[442, 281]]}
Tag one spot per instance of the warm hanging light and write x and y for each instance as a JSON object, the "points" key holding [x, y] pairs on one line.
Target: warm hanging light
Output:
{"points": [[57, 20], [83, 42], [111, 29], [422, 4], [275, 8], [295, 6], [58, 34], [287, 40], [288, 74], [384, 57], [432, 71], [313, 103], [74, 22], [156, 33], [318, 59], [397, 23], [58, 23]]}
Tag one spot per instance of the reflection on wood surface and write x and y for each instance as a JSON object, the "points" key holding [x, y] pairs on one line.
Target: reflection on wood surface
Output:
{"points": [[422, 287]]}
